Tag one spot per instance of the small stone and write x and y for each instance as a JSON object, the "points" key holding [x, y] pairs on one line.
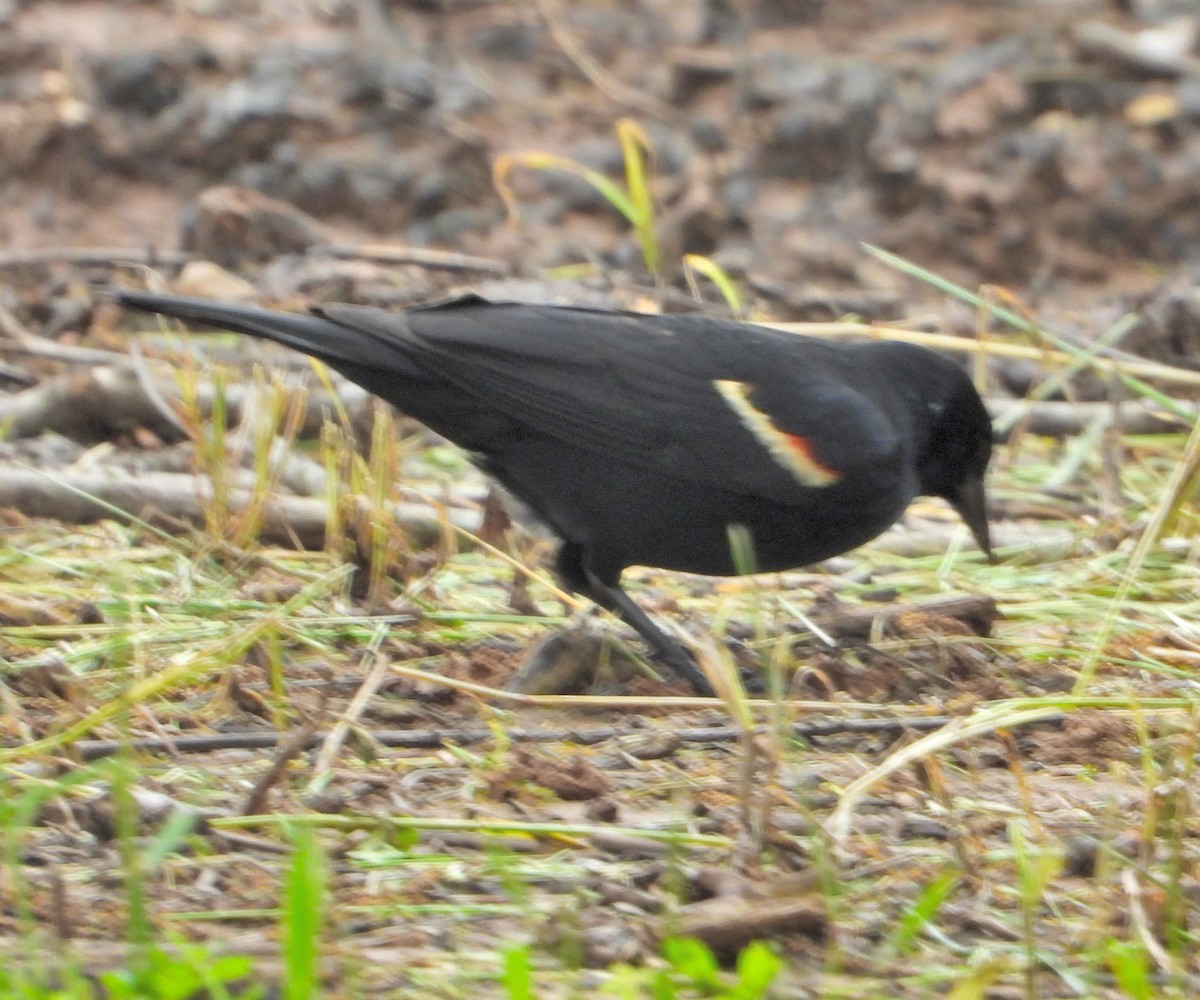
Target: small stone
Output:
{"points": [[209, 280]]}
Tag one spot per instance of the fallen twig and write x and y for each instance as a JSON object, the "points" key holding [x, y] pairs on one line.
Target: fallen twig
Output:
{"points": [[95, 256], [293, 746], [164, 499], [390, 253], [110, 399], [975, 610], [332, 743], [612, 88], [429, 739], [1170, 374], [1054, 418], [18, 339]]}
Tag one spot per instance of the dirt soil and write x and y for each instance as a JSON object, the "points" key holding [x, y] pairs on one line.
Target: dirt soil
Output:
{"points": [[1052, 149], [335, 149]]}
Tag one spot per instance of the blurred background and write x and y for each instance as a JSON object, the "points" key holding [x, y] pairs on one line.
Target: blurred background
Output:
{"points": [[1049, 147]]}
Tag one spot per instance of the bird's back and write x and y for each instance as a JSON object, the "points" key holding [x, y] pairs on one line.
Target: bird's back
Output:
{"points": [[641, 437]]}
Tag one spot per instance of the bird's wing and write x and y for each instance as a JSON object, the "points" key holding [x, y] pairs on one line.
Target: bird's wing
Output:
{"points": [[719, 404]]}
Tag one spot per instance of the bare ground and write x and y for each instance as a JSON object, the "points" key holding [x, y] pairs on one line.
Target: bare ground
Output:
{"points": [[1048, 149]]}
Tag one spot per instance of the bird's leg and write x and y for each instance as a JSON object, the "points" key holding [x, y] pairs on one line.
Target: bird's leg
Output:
{"points": [[571, 567], [669, 651]]}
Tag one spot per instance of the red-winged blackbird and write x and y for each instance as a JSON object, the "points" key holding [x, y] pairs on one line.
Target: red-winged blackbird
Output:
{"points": [[644, 440]]}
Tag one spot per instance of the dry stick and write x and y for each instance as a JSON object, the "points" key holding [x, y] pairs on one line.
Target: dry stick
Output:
{"points": [[596, 74], [81, 404], [1169, 654], [358, 704], [248, 842], [114, 256], [296, 744], [941, 341], [18, 339], [297, 472], [42, 348], [382, 253], [147, 716], [63, 930], [164, 499], [13, 328], [959, 729], [431, 739], [1062, 419], [151, 389], [726, 925], [389, 253], [1141, 923], [533, 575], [978, 611]]}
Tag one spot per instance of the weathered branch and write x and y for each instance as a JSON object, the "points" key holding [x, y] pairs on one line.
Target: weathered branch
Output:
{"points": [[1058, 419], [165, 500], [97, 403]]}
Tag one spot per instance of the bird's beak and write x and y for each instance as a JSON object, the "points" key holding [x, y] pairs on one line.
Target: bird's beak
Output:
{"points": [[971, 504]]}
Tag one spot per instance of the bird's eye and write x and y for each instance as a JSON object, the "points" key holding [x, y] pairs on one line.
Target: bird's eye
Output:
{"points": [[937, 409]]}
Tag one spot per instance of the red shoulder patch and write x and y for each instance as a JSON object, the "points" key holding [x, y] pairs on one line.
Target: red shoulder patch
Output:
{"points": [[793, 452]]}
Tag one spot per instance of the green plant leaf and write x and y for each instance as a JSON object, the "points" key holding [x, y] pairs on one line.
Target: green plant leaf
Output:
{"points": [[518, 973], [708, 268], [304, 904]]}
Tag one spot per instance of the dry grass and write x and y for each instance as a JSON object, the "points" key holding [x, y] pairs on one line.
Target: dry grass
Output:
{"points": [[991, 857]]}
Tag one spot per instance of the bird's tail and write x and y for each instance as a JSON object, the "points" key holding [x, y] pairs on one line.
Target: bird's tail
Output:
{"points": [[312, 335]]}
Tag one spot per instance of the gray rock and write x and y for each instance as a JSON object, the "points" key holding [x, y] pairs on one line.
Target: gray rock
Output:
{"points": [[142, 82]]}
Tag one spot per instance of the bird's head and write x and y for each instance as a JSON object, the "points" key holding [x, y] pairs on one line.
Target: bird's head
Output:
{"points": [[954, 461]]}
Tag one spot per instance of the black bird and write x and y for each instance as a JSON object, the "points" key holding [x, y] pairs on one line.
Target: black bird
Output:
{"points": [[644, 440]]}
